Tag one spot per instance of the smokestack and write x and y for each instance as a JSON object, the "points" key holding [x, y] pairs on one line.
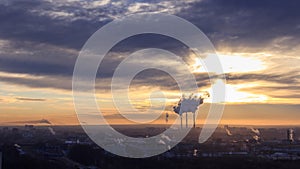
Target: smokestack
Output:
{"points": [[290, 135], [227, 130], [186, 120], [51, 130], [181, 120], [167, 117], [194, 120], [256, 131], [0, 160], [256, 138], [188, 104]]}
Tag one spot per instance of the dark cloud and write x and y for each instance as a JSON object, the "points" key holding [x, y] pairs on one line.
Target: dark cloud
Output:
{"points": [[135, 43], [158, 78], [245, 23], [45, 38], [280, 85], [238, 22], [37, 59], [289, 91], [284, 78], [42, 82], [44, 59], [70, 24], [27, 21], [30, 99], [276, 88], [42, 121], [285, 96]]}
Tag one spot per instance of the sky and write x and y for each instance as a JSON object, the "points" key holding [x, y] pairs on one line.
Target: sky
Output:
{"points": [[257, 42]]}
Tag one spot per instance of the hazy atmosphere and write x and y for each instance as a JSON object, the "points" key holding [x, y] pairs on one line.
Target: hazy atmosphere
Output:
{"points": [[258, 43]]}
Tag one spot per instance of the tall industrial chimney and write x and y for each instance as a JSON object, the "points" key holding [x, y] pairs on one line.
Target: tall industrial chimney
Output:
{"points": [[0, 160], [188, 104], [290, 135]]}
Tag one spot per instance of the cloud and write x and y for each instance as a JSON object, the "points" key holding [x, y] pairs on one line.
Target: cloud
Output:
{"points": [[45, 22], [30, 99], [287, 96], [36, 58], [286, 91], [283, 86], [42, 38], [283, 78], [234, 23], [252, 23], [42, 121], [55, 82]]}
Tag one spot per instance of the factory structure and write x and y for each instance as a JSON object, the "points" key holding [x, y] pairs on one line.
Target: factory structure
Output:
{"points": [[187, 105]]}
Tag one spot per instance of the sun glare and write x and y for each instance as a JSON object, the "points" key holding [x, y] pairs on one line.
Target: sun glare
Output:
{"points": [[233, 63], [234, 94]]}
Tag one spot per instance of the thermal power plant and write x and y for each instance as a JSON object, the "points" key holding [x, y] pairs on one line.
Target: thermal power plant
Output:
{"points": [[290, 135], [189, 104]]}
